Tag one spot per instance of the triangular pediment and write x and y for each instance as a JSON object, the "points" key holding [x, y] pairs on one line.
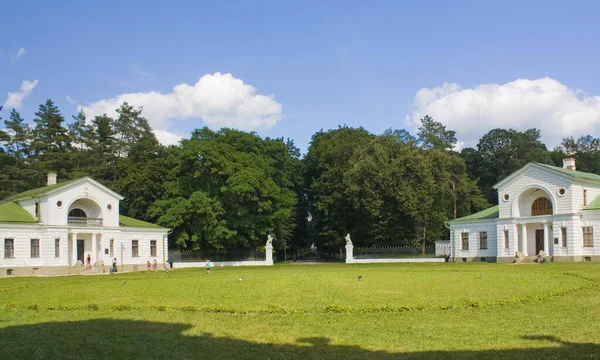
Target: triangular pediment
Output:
{"points": [[86, 184], [62, 187], [551, 171]]}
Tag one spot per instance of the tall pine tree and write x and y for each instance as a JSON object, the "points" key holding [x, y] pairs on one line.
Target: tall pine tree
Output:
{"points": [[51, 143]]}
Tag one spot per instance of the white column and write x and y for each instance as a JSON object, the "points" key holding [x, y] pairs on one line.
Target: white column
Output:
{"points": [[546, 243], [73, 248], [513, 245], [94, 251], [524, 239]]}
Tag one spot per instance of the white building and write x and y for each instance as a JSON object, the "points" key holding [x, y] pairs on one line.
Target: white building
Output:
{"points": [[541, 208], [53, 230]]}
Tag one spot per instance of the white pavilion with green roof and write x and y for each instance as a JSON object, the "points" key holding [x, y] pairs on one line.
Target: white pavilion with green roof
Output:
{"points": [[542, 208], [53, 230]]}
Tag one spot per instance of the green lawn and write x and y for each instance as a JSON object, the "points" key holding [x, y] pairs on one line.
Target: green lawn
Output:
{"points": [[418, 311]]}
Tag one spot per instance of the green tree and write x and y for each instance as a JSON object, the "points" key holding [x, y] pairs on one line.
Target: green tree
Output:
{"points": [[18, 175], [402, 136], [585, 150], [51, 143], [129, 127], [501, 152], [18, 144], [142, 175], [433, 134], [388, 184], [332, 213], [229, 190]]}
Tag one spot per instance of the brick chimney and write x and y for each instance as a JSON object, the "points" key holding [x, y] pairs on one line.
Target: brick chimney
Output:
{"points": [[51, 178], [569, 163]]}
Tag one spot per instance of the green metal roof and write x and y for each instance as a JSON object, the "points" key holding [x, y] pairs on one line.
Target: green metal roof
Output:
{"points": [[594, 205], [131, 222], [487, 214], [572, 173], [35, 193], [14, 213]]}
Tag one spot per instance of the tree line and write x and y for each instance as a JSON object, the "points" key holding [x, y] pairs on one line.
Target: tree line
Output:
{"points": [[228, 189]]}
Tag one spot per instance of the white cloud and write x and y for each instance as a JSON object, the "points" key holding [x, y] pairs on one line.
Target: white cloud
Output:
{"points": [[220, 100], [15, 99], [69, 99], [21, 52], [544, 103], [167, 138]]}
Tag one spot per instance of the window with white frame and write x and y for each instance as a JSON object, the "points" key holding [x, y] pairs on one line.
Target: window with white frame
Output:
{"points": [[56, 247], [588, 236], [464, 241], [9, 248], [483, 240], [135, 248], [35, 248], [506, 240], [152, 247], [563, 233], [112, 248]]}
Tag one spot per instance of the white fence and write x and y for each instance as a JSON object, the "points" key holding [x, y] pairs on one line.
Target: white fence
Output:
{"points": [[193, 264], [400, 255]]}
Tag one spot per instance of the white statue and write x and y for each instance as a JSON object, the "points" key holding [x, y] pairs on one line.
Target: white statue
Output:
{"points": [[269, 240], [348, 241]]}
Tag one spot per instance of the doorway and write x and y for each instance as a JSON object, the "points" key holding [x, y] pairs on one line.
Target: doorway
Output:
{"points": [[539, 240], [80, 250]]}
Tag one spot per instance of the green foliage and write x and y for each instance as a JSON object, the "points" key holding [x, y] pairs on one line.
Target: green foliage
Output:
{"points": [[50, 143], [229, 190], [433, 135], [585, 150], [501, 152], [328, 159]]}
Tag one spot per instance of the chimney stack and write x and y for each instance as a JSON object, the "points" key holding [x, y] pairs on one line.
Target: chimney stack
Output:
{"points": [[569, 163], [51, 178]]}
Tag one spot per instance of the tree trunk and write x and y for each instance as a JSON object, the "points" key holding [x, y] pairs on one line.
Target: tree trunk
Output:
{"points": [[424, 239], [454, 196]]}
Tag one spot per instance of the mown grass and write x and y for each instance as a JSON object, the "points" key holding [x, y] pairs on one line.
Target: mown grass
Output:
{"points": [[323, 311]]}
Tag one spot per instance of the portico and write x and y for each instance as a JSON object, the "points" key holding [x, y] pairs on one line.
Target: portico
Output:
{"points": [[82, 243], [534, 237]]}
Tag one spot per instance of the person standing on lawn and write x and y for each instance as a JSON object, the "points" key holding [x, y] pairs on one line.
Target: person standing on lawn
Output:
{"points": [[207, 267]]}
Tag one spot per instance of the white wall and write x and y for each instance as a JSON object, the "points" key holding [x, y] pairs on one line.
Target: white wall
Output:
{"points": [[89, 193], [534, 178], [22, 236], [124, 242], [474, 228]]}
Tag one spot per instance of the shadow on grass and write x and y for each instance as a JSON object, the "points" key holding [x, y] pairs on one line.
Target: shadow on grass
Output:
{"points": [[126, 339]]}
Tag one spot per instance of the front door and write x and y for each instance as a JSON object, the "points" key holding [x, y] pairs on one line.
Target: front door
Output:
{"points": [[80, 250], [539, 241]]}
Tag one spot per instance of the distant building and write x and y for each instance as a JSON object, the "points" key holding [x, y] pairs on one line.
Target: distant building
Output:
{"points": [[541, 208], [53, 230]]}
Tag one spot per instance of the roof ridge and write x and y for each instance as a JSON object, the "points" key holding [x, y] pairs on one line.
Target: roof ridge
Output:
{"points": [[571, 173], [32, 193]]}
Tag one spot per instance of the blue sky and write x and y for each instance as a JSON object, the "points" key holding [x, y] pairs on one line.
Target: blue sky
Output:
{"points": [[298, 67]]}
